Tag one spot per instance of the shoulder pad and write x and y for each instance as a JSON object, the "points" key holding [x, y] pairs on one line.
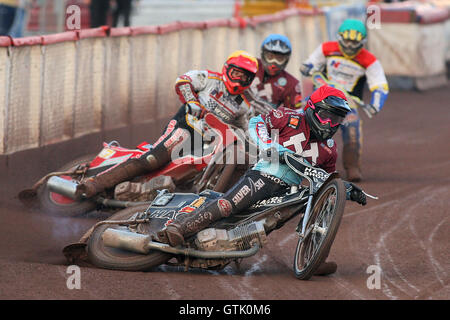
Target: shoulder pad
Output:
{"points": [[365, 58], [331, 48]]}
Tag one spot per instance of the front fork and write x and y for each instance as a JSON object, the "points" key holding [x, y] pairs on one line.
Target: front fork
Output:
{"points": [[305, 219]]}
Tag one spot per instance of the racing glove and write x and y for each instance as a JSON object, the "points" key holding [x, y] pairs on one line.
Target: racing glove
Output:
{"points": [[196, 109], [355, 193], [306, 68], [377, 100], [371, 109]]}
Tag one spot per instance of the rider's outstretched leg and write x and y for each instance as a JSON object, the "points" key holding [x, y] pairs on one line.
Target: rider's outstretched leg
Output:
{"points": [[129, 169], [176, 134]]}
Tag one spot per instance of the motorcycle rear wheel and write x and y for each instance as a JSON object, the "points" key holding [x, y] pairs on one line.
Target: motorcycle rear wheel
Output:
{"points": [[116, 259], [59, 205], [326, 215]]}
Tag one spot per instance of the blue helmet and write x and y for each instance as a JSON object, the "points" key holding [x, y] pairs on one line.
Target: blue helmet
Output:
{"points": [[276, 51]]}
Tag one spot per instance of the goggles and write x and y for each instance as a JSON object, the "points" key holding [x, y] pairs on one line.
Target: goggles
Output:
{"points": [[239, 75], [351, 44], [331, 118], [273, 57]]}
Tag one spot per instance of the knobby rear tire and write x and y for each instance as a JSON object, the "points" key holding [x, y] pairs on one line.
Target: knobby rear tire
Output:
{"points": [[116, 259], [304, 270]]}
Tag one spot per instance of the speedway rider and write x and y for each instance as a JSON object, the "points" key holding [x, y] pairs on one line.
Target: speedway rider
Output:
{"points": [[307, 133], [347, 63], [273, 85], [200, 91]]}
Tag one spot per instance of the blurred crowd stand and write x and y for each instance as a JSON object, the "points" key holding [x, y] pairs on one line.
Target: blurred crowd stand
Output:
{"points": [[12, 17], [20, 18], [107, 12]]}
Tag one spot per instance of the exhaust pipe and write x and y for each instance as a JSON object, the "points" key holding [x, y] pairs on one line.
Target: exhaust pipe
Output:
{"points": [[125, 240], [141, 243], [63, 187]]}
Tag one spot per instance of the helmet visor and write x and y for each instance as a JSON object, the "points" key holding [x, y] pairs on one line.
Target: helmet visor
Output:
{"points": [[273, 57], [239, 75], [326, 116]]}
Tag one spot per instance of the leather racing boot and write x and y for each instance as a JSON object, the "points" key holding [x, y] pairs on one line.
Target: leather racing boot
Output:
{"points": [[124, 171], [326, 268], [352, 162], [188, 224]]}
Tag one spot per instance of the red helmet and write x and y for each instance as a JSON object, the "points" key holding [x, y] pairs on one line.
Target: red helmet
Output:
{"points": [[239, 71], [326, 109]]}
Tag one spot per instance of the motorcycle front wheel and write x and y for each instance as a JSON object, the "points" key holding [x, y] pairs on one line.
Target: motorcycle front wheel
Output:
{"points": [[117, 259], [325, 218]]}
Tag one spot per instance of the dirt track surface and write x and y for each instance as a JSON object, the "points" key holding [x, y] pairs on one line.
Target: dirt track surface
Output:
{"points": [[406, 162]]}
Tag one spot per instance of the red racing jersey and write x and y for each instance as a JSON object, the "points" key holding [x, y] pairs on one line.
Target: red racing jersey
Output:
{"points": [[294, 134], [280, 90]]}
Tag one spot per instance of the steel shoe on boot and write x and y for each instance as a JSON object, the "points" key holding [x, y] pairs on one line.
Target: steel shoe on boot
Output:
{"points": [[87, 189], [326, 268]]}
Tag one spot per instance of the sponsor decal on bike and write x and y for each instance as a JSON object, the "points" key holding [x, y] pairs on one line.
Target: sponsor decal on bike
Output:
{"points": [[106, 153], [198, 202], [163, 214], [224, 207], [187, 209], [113, 161], [316, 173], [267, 202], [241, 194]]}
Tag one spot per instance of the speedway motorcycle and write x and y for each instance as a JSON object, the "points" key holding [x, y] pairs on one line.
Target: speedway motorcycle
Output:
{"points": [[128, 240], [55, 192]]}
